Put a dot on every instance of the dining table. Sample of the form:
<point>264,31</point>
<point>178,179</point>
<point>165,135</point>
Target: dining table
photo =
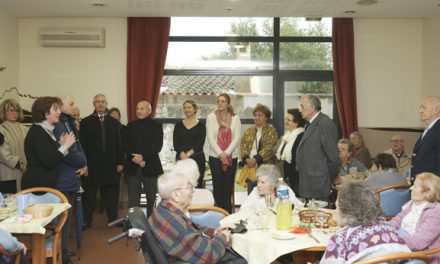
<point>263,245</point>
<point>35,228</point>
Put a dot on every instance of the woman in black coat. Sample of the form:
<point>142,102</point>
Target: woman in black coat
<point>42,151</point>
<point>294,130</point>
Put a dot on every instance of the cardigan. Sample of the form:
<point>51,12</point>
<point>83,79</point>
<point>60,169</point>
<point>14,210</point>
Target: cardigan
<point>427,235</point>
<point>212,132</point>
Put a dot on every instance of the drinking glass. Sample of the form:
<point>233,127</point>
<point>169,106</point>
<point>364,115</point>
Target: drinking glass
<point>321,219</point>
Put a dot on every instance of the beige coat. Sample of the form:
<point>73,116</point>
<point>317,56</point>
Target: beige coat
<point>12,151</point>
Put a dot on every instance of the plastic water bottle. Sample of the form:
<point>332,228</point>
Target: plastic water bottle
<point>284,207</point>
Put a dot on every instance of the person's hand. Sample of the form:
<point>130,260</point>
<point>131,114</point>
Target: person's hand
<point>137,158</point>
<point>183,155</point>
<point>23,167</point>
<point>227,234</point>
<point>223,156</point>
<point>225,226</point>
<point>84,171</point>
<point>67,139</point>
<point>251,162</point>
<point>23,247</point>
<point>119,168</point>
<point>142,164</point>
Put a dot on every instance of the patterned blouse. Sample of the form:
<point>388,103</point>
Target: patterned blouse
<point>352,244</point>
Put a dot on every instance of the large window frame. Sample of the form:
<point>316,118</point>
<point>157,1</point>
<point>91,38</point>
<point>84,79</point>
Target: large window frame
<point>279,76</point>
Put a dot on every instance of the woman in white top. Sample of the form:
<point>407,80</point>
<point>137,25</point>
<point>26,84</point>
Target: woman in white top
<point>12,157</point>
<point>223,130</point>
<point>267,181</point>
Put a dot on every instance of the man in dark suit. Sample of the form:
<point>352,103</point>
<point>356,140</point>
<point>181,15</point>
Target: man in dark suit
<point>101,140</point>
<point>426,152</point>
<point>317,157</point>
<point>143,142</point>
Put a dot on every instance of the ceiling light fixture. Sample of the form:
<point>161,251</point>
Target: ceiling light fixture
<point>97,4</point>
<point>367,2</point>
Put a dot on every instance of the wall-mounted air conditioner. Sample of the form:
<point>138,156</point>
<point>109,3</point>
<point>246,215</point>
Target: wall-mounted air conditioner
<point>72,37</point>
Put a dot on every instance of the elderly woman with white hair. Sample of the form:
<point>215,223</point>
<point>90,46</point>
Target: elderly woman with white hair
<point>267,180</point>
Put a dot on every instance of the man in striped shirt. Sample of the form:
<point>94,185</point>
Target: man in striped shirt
<point>178,237</point>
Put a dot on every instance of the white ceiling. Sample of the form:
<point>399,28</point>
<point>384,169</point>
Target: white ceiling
<point>218,8</point>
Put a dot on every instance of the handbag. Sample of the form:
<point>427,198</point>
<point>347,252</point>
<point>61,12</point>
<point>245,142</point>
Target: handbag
<point>245,174</point>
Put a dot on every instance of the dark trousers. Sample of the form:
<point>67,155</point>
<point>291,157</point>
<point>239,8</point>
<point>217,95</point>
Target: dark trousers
<point>135,190</point>
<point>8,186</point>
<point>110,197</point>
<point>223,182</point>
<point>65,232</point>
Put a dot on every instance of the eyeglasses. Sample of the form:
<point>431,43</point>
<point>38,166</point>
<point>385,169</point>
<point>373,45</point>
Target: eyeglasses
<point>189,186</point>
<point>12,111</point>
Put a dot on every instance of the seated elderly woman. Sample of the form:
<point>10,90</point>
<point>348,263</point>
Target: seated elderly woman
<point>419,221</point>
<point>267,181</point>
<point>386,174</point>
<point>365,232</point>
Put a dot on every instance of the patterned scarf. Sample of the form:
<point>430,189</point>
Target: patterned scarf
<point>224,139</point>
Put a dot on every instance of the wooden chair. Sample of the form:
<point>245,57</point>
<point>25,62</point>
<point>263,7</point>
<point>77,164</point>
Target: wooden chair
<point>429,252</point>
<point>15,254</point>
<point>53,243</point>
<point>207,216</point>
<point>396,256</point>
<point>392,198</point>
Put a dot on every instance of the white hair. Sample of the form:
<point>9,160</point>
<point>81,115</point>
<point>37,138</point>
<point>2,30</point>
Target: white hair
<point>189,168</point>
<point>271,172</point>
<point>169,182</point>
<point>65,99</point>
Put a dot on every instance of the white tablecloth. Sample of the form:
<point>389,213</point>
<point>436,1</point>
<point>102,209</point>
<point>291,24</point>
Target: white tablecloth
<point>259,247</point>
<point>36,225</point>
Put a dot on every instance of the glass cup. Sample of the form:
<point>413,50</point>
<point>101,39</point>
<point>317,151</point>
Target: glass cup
<point>22,202</point>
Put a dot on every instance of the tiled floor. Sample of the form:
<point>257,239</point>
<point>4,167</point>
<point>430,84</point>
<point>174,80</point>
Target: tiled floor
<point>96,250</point>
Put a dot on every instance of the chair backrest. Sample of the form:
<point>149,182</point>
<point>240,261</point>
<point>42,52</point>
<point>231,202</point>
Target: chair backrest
<point>149,243</point>
<point>207,216</point>
<point>396,256</point>
<point>48,195</point>
<point>392,198</point>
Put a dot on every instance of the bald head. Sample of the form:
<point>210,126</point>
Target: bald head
<point>143,109</point>
<point>430,109</point>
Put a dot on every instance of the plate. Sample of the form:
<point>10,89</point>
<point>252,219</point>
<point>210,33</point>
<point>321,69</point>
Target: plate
<point>283,235</point>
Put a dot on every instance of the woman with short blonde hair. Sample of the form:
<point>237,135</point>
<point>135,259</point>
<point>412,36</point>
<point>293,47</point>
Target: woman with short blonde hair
<point>12,158</point>
<point>419,221</point>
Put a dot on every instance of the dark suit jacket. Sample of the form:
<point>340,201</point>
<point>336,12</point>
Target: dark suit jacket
<point>317,158</point>
<point>144,136</point>
<point>426,153</point>
<point>42,157</point>
<point>102,146</point>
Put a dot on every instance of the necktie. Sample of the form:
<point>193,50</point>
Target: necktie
<point>101,119</point>
<point>306,125</point>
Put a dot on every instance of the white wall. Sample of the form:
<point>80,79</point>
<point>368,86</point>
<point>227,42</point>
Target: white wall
<point>8,53</point>
<point>431,57</point>
<point>388,55</point>
<point>81,72</point>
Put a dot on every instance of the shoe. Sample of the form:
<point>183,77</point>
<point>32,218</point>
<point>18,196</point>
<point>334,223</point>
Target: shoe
<point>67,260</point>
<point>70,254</point>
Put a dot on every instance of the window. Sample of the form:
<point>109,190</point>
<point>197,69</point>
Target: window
<point>273,61</point>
